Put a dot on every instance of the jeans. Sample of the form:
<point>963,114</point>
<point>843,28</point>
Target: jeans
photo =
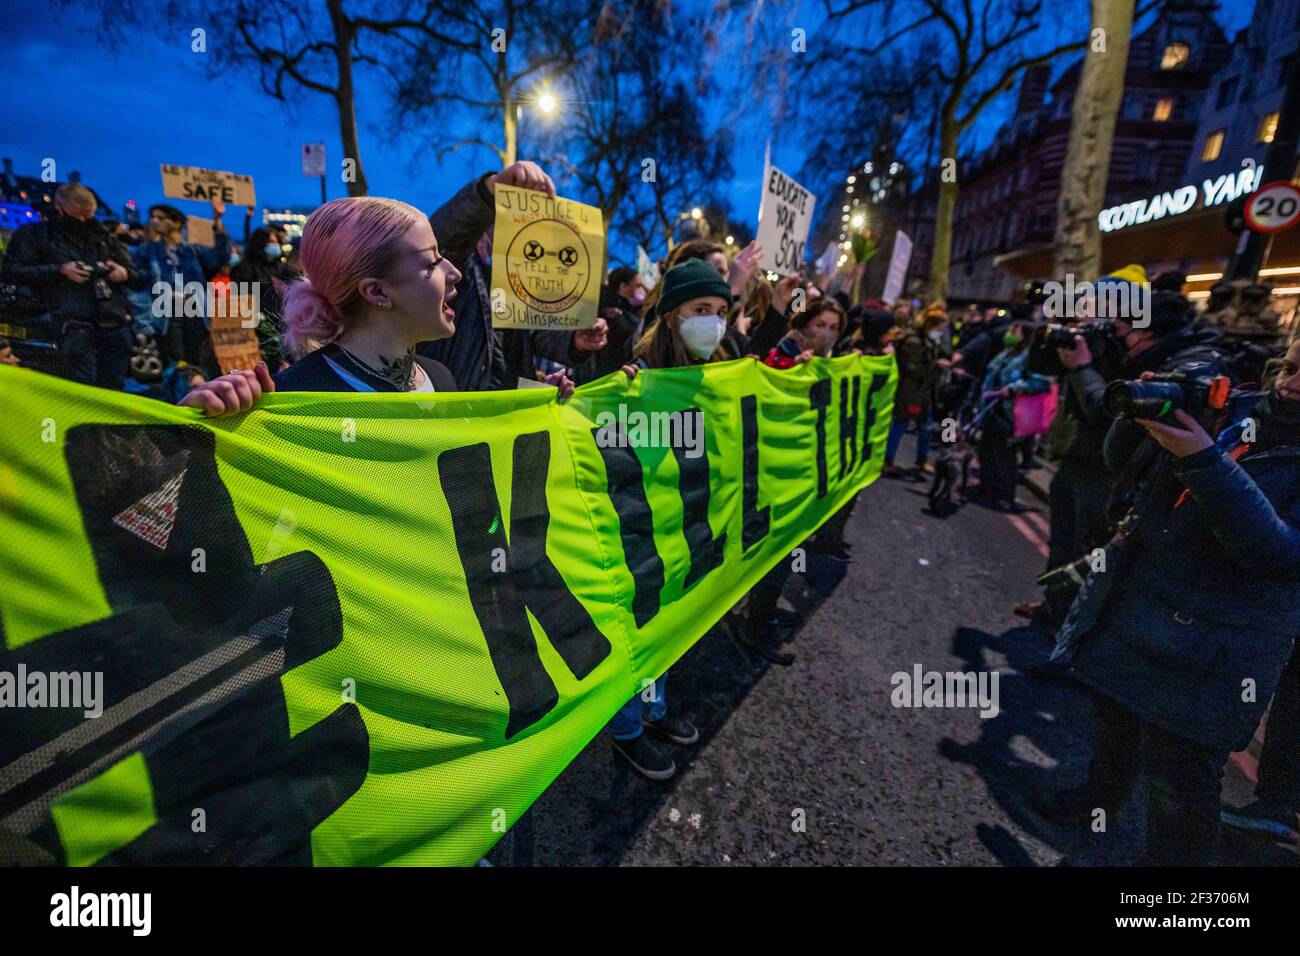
<point>96,356</point>
<point>1279,761</point>
<point>627,723</point>
<point>764,596</point>
<point>898,428</point>
<point>1183,780</point>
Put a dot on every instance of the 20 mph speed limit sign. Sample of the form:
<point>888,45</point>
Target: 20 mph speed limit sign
<point>1274,207</point>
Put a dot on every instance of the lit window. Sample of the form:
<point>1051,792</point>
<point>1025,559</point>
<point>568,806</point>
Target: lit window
<point>1268,128</point>
<point>1175,55</point>
<point>1213,146</point>
<point>1164,109</point>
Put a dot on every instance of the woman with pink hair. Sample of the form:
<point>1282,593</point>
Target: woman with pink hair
<point>375,285</point>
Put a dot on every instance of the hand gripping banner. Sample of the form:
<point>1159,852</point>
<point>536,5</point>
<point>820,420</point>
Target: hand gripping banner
<point>366,629</point>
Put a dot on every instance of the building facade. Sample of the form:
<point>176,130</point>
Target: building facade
<point>1007,202</point>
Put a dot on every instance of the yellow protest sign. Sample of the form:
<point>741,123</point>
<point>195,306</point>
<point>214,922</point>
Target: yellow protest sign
<point>205,185</point>
<point>547,255</point>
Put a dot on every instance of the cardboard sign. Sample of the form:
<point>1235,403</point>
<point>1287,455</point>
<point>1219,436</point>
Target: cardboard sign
<point>199,231</point>
<point>313,159</point>
<point>204,185</point>
<point>783,220</point>
<point>898,263</point>
<point>234,345</point>
<point>547,255</point>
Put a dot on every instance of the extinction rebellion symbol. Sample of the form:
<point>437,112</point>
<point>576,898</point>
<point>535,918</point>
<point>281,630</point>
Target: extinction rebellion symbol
<point>548,265</point>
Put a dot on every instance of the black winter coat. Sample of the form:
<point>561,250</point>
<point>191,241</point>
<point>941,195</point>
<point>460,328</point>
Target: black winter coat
<point>1192,619</point>
<point>36,252</point>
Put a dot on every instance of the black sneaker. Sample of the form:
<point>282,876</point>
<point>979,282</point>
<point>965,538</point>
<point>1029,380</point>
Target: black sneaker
<point>1263,817</point>
<point>783,618</point>
<point>766,646</point>
<point>677,729</point>
<point>646,759</point>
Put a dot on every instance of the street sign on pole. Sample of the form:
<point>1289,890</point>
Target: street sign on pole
<point>313,159</point>
<point>313,164</point>
<point>1274,207</point>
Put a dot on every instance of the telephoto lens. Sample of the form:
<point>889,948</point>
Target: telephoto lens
<point>1152,400</point>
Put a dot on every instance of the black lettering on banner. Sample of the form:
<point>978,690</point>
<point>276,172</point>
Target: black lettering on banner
<point>849,422</point>
<point>531,583</point>
<point>191,667</point>
<point>869,419</point>
<point>819,398</point>
<point>626,489</point>
<point>693,486</point>
<point>755,520</point>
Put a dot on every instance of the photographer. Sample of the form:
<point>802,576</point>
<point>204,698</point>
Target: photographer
<point>80,274</point>
<point>167,258</point>
<point>1098,353</point>
<point>1184,632</point>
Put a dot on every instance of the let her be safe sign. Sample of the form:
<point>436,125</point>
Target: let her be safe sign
<point>205,185</point>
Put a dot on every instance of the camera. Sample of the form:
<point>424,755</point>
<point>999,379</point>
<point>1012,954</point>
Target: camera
<point>98,275</point>
<point>1194,388</point>
<point>1063,336</point>
<point>1103,342</point>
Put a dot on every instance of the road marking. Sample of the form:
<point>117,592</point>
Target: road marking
<point>1019,524</point>
<point>1039,522</point>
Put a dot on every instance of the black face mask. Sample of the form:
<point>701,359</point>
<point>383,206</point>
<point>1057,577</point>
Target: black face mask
<point>76,228</point>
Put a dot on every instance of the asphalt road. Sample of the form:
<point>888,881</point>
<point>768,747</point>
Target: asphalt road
<point>812,764</point>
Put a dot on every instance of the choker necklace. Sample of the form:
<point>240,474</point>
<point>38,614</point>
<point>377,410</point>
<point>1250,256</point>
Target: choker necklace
<point>399,372</point>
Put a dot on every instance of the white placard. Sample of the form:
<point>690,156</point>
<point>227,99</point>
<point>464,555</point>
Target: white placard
<point>313,159</point>
<point>783,219</point>
<point>898,263</point>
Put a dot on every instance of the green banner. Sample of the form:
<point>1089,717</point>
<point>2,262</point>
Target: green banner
<point>367,629</point>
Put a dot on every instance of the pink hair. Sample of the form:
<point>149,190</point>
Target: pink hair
<point>344,241</point>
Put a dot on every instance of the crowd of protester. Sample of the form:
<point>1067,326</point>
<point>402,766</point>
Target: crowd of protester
<point>1174,561</point>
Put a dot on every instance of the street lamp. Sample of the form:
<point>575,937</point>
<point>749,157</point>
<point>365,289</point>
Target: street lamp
<point>731,240</point>
<point>546,103</point>
<point>857,221</point>
<point>697,213</point>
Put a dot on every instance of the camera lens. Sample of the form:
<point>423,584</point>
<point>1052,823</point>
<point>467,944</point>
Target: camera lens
<point>1142,399</point>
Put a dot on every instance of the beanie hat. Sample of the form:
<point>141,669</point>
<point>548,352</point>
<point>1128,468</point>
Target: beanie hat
<point>1129,273</point>
<point>1169,312</point>
<point>692,279</point>
<point>875,323</point>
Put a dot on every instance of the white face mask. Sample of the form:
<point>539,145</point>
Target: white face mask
<point>702,333</point>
